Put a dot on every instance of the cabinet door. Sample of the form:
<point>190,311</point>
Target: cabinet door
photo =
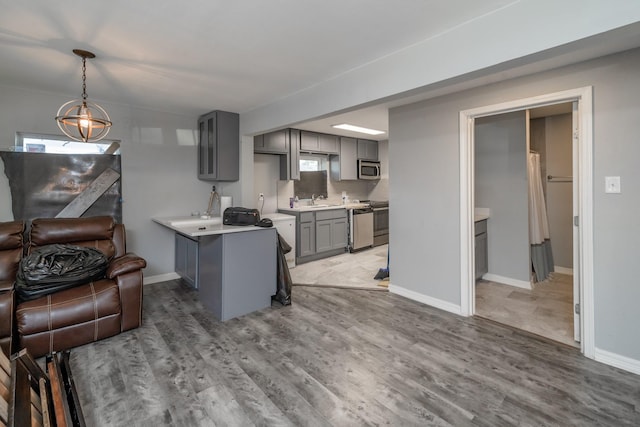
<point>306,239</point>
<point>328,143</point>
<point>324,232</point>
<point>339,233</point>
<point>294,155</point>
<point>308,141</point>
<point>481,255</point>
<point>219,146</point>
<point>367,149</point>
<point>272,142</point>
<point>207,152</point>
<point>348,159</point>
<point>186,259</point>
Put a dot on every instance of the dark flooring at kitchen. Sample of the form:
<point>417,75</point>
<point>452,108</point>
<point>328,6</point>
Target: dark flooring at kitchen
<point>340,357</point>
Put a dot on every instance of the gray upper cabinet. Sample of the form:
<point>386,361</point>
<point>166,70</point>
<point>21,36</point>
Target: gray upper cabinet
<point>294,154</point>
<point>345,165</point>
<point>367,150</point>
<point>219,146</point>
<point>313,142</point>
<point>272,143</point>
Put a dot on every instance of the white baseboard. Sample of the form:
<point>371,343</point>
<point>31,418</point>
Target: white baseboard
<point>563,270</point>
<point>507,281</point>
<point>425,299</point>
<point>618,361</point>
<point>159,278</point>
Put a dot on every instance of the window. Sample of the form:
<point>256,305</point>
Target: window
<point>58,144</point>
<point>313,163</point>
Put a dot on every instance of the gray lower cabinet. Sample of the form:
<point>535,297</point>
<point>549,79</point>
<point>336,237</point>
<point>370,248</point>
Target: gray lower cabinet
<point>321,234</point>
<point>219,146</point>
<point>481,249</point>
<point>186,259</point>
<point>306,234</point>
<point>235,273</point>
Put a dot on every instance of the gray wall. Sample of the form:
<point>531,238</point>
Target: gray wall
<point>425,189</point>
<point>501,185</point>
<point>559,194</point>
<point>158,166</point>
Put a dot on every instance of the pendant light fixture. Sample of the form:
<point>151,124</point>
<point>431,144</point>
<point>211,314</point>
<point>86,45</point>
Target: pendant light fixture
<point>79,119</point>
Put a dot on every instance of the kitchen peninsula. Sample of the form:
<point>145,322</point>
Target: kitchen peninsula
<point>232,267</point>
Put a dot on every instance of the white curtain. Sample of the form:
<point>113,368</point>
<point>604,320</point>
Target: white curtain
<point>541,255</point>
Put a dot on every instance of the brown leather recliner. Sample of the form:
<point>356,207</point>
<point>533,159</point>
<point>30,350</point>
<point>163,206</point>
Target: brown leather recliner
<point>11,246</point>
<point>89,312</point>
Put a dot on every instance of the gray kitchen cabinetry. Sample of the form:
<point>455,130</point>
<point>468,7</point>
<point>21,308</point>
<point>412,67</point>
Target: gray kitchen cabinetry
<point>320,234</point>
<point>331,230</point>
<point>186,259</point>
<point>219,146</point>
<point>284,143</point>
<point>345,165</point>
<point>307,234</point>
<point>481,249</point>
<point>367,149</point>
<point>272,143</point>
<point>318,142</point>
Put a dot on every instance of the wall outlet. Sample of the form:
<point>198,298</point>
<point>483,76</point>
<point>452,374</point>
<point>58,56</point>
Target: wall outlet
<point>612,184</point>
<point>260,196</point>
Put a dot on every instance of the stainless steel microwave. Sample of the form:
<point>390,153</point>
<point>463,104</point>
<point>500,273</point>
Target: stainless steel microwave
<point>368,169</point>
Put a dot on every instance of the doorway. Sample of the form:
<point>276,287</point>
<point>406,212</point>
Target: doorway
<point>523,178</point>
<point>582,197</point>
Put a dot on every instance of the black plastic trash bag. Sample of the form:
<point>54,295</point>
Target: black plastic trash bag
<point>53,268</point>
<point>283,293</point>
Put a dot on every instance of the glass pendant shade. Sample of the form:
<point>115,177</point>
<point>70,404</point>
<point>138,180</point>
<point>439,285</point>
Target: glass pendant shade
<point>79,119</point>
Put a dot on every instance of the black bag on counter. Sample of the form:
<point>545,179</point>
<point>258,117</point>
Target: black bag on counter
<point>240,216</point>
<point>53,268</point>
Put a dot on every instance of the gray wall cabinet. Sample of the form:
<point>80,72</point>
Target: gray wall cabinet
<point>272,143</point>
<point>345,165</point>
<point>367,149</point>
<point>286,144</point>
<point>318,142</point>
<point>481,249</point>
<point>219,146</point>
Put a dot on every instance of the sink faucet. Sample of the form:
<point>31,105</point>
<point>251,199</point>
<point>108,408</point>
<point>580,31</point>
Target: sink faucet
<point>213,196</point>
<point>313,199</point>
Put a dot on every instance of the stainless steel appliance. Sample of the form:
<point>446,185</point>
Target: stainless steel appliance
<point>368,169</point>
<point>380,222</point>
<point>360,228</point>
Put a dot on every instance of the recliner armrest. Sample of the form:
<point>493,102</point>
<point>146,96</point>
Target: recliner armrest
<point>125,264</point>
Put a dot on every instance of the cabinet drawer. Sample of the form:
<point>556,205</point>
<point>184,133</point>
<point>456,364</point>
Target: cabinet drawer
<point>306,217</point>
<point>481,227</point>
<point>331,214</point>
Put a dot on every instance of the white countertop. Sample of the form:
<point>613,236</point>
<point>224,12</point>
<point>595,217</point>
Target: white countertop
<point>323,207</point>
<point>195,226</point>
<point>480,217</point>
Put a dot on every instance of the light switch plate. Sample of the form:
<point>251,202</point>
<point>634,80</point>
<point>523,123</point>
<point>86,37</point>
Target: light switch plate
<point>612,184</point>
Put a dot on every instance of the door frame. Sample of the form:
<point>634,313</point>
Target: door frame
<point>584,174</point>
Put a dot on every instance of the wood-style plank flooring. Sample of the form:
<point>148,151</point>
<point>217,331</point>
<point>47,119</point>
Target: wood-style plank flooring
<point>546,310</point>
<point>340,357</point>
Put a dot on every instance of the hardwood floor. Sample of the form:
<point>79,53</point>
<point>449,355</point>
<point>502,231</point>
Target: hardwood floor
<point>340,357</point>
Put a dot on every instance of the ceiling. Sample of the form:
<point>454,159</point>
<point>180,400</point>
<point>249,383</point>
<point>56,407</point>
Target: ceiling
<point>213,54</point>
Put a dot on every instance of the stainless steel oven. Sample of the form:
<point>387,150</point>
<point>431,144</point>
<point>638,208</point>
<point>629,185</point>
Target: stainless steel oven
<point>380,222</point>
